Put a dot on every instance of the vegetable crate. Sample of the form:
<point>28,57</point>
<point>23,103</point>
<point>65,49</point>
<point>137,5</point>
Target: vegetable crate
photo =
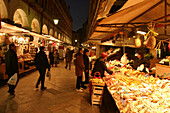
<point>97,94</point>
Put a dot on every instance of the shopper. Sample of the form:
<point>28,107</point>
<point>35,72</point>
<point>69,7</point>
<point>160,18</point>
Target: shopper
<point>87,65</point>
<point>41,63</point>
<point>11,66</point>
<point>100,66</point>
<point>139,60</point>
<point>56,58</point>
<point>51,57</point>
<point>79,68</point>
<point>68,58</point>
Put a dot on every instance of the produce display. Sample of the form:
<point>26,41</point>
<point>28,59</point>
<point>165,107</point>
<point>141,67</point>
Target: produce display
<point>137,92</point>
<point>97,80</point>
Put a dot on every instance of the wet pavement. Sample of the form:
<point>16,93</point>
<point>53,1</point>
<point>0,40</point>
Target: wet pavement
<point>59,97</point>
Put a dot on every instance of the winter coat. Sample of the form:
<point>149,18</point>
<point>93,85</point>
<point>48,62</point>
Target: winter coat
<point>11,62</point>
<point>68,56</point>
<point>86,61</point>
<point>51,56</point>
<point>79,64</point>
<point>100,66</point>
<point>56,57</point>
<point>41,61</point>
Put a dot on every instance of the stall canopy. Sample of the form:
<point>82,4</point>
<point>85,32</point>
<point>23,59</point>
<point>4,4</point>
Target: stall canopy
<point>133,14</point>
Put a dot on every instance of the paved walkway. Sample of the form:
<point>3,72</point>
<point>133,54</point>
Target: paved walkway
<point>60,96</point>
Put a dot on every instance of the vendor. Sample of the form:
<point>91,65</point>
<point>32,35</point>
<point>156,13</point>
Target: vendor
<point>100,66</point>
<point>139,60</point>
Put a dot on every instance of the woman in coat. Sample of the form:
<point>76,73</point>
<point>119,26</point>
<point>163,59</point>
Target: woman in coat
<point>79,68</point>
<point>86,63</point>
<point>56,58</point>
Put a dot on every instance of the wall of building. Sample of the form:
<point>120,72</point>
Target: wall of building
<point>28,10</point>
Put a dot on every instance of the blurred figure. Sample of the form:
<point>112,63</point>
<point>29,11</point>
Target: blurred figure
<point>79,68</point>
<point>68,58</point>
<point>41,63</point>
<point>51,57</point>
<point>11,66</point>
<point>56,58</point>
<point>100,66</point>
<point>139,60</point>
<point>87,65</point>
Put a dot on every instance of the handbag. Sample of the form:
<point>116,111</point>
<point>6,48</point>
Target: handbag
<point>13,79</point>
<point>83,77</point>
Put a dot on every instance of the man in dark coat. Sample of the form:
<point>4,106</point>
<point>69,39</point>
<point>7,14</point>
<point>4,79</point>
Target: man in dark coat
<point>41,63</point>
<point>87,65</point>
<point>11,66</point>
<point>100,66</point>
<point>68,58</point>
<point>51,56</point>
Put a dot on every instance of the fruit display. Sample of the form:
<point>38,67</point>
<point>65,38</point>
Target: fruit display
<point>97,80</point>
<point>137,92</point>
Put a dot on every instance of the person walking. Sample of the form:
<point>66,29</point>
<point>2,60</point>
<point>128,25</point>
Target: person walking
<point>68,58</point>
<point>51,57</point>
<point>11,66</point>
<point>41,63</point>
<point>56,57</point>
<point>79,68</point>
<point>86,63</point>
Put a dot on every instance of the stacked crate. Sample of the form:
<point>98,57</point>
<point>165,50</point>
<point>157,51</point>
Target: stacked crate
<point>97,93</point>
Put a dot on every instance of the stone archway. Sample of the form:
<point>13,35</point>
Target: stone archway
<point>20,17</point>
<point>3,10</point>
<point>44,29</point>
<point>51,32</point>
<point>35,26</point>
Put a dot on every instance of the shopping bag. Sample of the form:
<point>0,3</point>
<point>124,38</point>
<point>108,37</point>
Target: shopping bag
<point>83,77</point>
<point>13,79</point>
<point>48,75</point>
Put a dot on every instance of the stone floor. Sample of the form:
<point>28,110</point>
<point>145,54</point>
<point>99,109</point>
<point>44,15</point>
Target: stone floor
<point>60,96</point>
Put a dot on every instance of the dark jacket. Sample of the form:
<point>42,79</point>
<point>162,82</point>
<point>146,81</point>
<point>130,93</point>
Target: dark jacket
<point>138,62</point>
<point>51,56</point>
<point>41,61</point>
<point>86,61</point>
<point>11,62</point>
<point>79,64</point>
<point>100,66</point>
<point>69,55</point>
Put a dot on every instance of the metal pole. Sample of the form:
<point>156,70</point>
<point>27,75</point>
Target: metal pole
<point>123,41</point>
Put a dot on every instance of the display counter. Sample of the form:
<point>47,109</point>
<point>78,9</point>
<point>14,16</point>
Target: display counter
<point>23,65</point>
<point>137,92</point>
<point>162,71</point>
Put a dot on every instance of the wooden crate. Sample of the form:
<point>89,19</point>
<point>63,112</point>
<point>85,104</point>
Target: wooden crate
<point>97,94</point>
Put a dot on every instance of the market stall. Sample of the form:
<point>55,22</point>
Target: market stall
<point>27,44</point>
<point>135,91</point>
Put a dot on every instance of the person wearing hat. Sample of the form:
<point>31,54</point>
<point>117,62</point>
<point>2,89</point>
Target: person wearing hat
<point>100,66</point>
<point>140,60</point>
